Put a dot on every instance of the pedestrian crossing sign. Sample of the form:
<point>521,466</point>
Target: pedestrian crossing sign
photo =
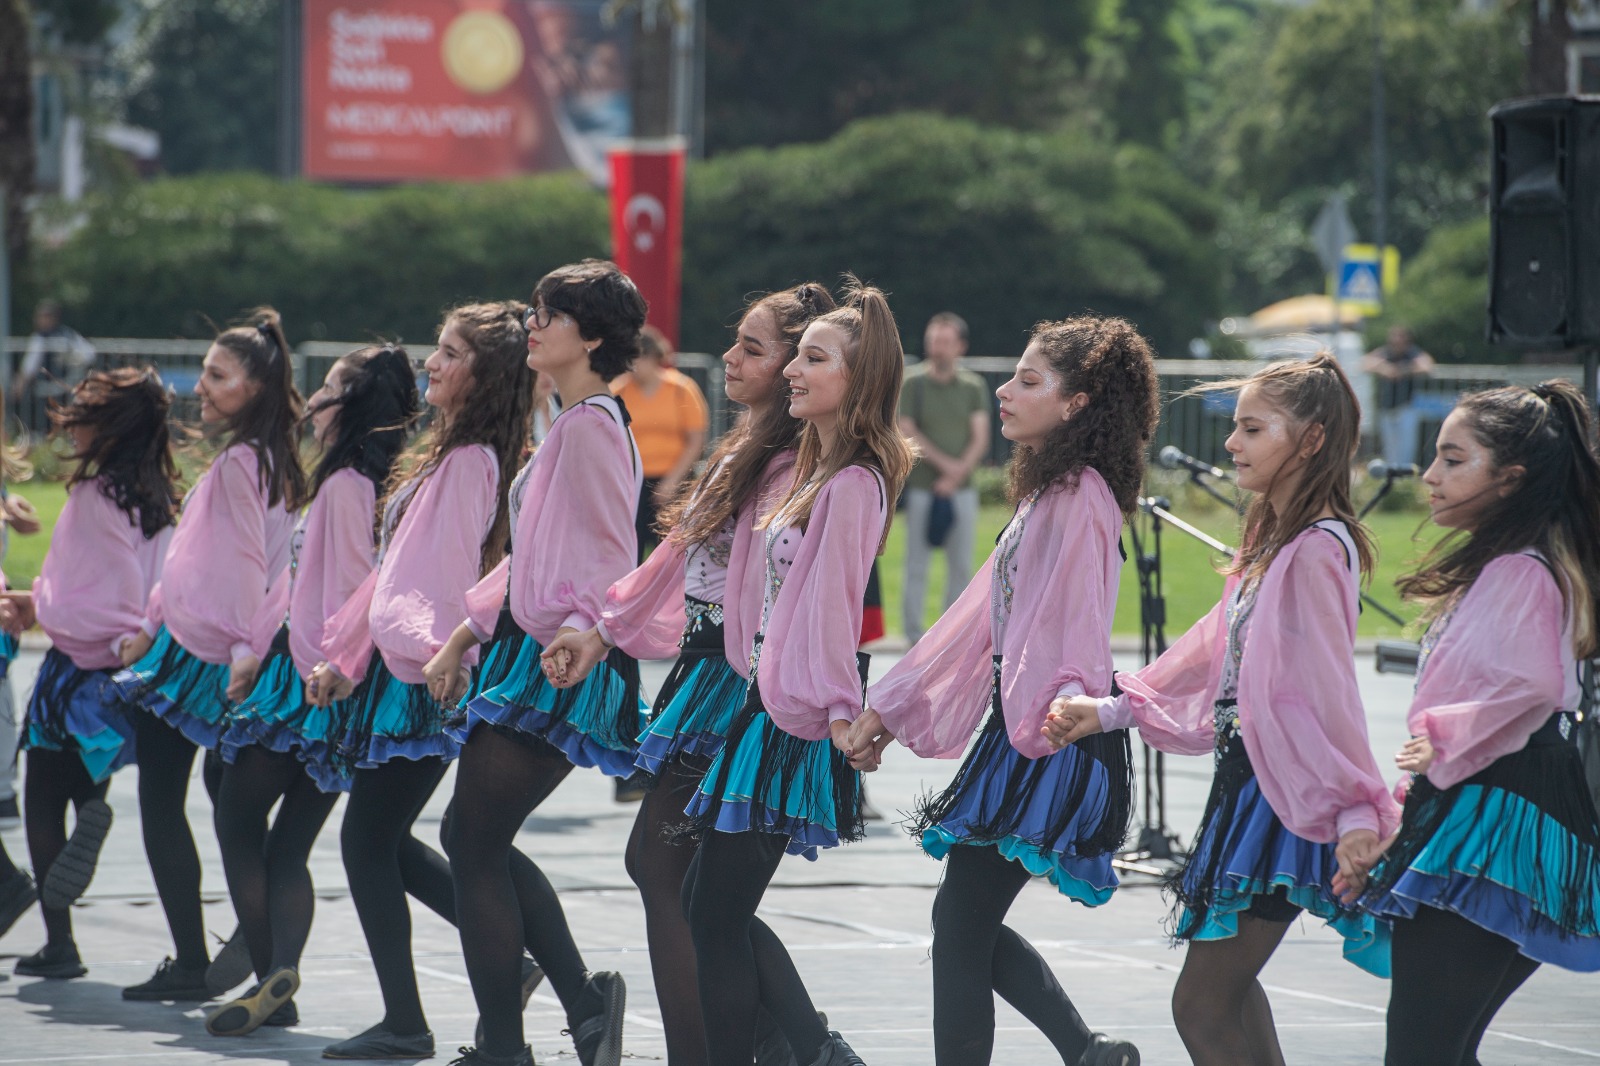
<point>1365,277</point>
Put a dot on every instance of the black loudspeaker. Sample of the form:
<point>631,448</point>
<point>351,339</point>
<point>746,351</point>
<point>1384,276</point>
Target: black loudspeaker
<point>1544,223</point>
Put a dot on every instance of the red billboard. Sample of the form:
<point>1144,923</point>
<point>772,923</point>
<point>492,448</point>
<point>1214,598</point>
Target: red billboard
<point>410,90</point>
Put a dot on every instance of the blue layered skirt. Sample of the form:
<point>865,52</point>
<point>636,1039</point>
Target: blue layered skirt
<point>1062,816</point>
<point>1514,849</point>
<point>9,646</point>
<point>385,718</point>
<point>186,692</point>
<point>277,717</point>
<point>770,781</point>
<point>77,710</point>
<point>699,701</point>
<point>1245,861</point>
<point>594,724</point>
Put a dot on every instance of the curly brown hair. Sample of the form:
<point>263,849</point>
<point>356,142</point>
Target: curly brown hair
<point>1107,360</point>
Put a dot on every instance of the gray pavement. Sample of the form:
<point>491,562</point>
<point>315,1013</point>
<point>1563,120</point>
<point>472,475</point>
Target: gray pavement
<point>856,921</point>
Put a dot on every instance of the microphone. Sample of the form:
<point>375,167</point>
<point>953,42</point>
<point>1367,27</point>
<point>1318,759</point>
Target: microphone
<point>1173,458</point>
<point>1379,468</point>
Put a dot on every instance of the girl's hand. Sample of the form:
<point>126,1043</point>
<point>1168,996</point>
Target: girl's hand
<point>568,658</point>
<point>16,612</point>
<point>1070,720</point>
<point>1357,853</point>
<point>867,738</point>
<point>134,648</point>
<point>20,515</point>
<point>327,686</point>
<point>446,677</point>
<point>242,678</point>
<point>1416,755</point>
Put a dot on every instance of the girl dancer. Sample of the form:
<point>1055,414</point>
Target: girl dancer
<point>278,747</point>
<point>573,536</point>
<point>121,504</point>
<point>195,650</point>
<point>699,594</point>
<point>1266,681</point>
<point>783,783</point>
<point>1496,868</point>
<point>1081,406</point>
<point>444,523</point>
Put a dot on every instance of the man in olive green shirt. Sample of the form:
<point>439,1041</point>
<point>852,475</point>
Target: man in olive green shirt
<point>945,410</point>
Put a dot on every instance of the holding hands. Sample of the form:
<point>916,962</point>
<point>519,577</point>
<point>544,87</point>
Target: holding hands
<point>568,658</point>
<point>242,678</point>
<point>16,612</point>
<point>327,686</point>
<point>864,741</point>
<point>1071,718</point>
<point>1416,755</point>
<point>133,648</point>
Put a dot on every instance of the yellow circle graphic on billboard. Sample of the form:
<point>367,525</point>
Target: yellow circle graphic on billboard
<point>482,51</point>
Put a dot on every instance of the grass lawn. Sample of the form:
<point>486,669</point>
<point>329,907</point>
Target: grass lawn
<point>1190,579</point>
<point>26,554</point>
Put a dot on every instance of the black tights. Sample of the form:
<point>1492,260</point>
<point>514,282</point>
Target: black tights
<point>383,862</point>
<point>55,780</point>
<point>1218,1003</point>
<point>1450,979</point>
<point>659,867</point>
<point>506,900</point>
<point>267,871</point>
<point>166,757</point>
<point>742,964</point>
<point>975,955</point>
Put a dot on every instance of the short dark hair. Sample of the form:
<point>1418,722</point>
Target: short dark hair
<point>607,306</point>
<point>951,319</point>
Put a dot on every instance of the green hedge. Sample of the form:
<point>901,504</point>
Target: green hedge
<point>1004,227</point>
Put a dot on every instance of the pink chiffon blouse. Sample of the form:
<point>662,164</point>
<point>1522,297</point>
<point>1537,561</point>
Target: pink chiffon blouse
<point>96,579</point>
<point>814,585</point>
<point>1300,711</point>
<point>574,534</point>
<point>1496,667</point>
<point>1044,601</point>
<point>227,549</point>
<point>644,611</point>
<point>409,604</point>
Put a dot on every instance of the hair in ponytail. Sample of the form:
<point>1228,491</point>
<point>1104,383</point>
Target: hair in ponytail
<point>1317,398</point>
<point>1554,507</point>
<point>1108,360</point>
<point>267,424</point>
<point>378,405</point>
<point>751,444</point>
<point>868,431</point>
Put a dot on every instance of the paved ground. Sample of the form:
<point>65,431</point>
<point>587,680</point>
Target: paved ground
<point>857,922</point>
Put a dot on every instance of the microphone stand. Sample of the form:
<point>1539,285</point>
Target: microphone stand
<point>1156,840</point>
<point>1198,481</point>
<point>1388,484</point>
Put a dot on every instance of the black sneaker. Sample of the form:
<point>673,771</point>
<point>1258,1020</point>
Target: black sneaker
<point>284,1016</point>
<point>532,977</point>
<point>68,877</point>
<point>837,1053</point>
<point>57,961</point>
<point>1106,1051</point>
<point>250,1011</point>
<point>230,967</point>
<point>772,1046</point>
<point>16,896</point>
<point>379,1043</point>
<point>171,982</point>
<point>598,1037</point>
<point>471,1056</point>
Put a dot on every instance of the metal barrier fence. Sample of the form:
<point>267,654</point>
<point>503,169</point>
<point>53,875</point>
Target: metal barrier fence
<point>1196,424</point>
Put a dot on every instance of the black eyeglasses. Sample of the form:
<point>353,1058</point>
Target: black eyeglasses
<point>540,317</point>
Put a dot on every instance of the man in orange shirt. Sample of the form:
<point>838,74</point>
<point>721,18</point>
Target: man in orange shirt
<point>669,422</point>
